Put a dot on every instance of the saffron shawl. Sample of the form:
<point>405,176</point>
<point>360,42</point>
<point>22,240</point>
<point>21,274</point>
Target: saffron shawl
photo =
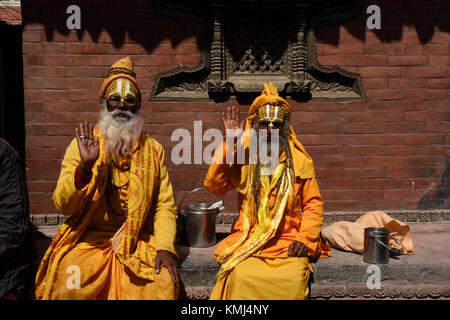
<point>134,250</point>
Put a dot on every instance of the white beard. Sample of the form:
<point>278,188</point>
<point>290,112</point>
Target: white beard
<point>119,133</point>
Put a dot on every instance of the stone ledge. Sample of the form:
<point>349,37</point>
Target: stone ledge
<point>47,220</point>
<point>334,216</point>
<point>357,292</point>
<point>424,275</point>
<point>224,220</point>
<point>392,291</point>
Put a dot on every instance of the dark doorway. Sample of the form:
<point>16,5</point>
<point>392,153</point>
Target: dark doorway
<point>12,121</point>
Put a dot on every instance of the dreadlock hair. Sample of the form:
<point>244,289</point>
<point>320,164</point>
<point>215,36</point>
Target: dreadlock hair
<point>284,143</point>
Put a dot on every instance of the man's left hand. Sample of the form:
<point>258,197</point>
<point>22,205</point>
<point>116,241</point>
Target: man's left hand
<point>167,259</point>
<point>297,249</point>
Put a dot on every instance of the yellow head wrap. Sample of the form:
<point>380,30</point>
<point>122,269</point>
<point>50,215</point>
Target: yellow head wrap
<point>268,96</point>
<point>303,164</point>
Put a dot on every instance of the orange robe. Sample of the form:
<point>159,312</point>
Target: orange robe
<point>302,221</point>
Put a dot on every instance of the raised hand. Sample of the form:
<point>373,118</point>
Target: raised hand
<point>231,120</point>
<point>88,146</point>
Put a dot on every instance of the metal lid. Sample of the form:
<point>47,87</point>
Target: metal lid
<point>376,230</point>
<point>199,208</point>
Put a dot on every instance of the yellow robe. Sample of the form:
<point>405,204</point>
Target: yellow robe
<point>82,248</point>
<point>270,273</point>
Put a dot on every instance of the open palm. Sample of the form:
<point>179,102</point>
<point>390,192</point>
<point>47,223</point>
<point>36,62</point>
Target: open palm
<point>87,144</point>
<point>231,120</point>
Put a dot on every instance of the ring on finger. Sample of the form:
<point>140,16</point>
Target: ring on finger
<point>83,137</point>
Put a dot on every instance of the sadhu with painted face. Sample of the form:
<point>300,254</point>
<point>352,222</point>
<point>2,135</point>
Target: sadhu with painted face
<point>118,242</point>
<point>267,254</point>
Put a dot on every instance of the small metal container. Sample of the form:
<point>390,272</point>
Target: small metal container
<point>376,245</point>
<point>199,222</point>
<point>200,225</point>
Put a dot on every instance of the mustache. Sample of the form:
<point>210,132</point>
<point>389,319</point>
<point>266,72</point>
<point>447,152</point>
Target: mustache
<point>127,114</point>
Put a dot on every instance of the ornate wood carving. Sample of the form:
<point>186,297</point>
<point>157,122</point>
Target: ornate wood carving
<point>244,46</point>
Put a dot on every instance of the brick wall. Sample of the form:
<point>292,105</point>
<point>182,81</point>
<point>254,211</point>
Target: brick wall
<point>10,13</point>
<point>390,152</point>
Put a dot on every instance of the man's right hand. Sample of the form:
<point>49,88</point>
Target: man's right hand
<point>297,249</point>
<point>88,146</point>
<point>231,121</point>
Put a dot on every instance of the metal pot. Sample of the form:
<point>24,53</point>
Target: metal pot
<point>376,246</point>
<point>199,222</point>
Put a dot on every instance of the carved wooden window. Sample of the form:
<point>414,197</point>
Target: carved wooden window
<point>247,43</point>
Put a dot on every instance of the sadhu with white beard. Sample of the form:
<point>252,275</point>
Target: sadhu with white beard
<point>267,254</point>
<point>118,242</point>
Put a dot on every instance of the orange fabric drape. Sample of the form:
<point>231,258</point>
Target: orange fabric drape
<point>303,217</point>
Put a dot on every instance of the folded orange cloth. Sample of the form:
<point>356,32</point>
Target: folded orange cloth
<point>349,236</point>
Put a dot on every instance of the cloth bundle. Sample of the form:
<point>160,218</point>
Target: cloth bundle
<point>349,236</point>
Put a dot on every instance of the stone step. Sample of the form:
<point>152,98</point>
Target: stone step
<point>344,275</point>
<point>424,275</point>
<point>225,220</point>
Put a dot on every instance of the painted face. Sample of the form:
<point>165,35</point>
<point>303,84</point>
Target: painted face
<point>122,91</point>
<point>271,116</point>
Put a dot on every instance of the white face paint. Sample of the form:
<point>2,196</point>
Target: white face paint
<point>123,88</point>
<point>271,116</point>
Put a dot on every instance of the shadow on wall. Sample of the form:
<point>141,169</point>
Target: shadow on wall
<point>438,196</point>
<point>125,22</point>
<point>137,21</point>
<point>424,16</point>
